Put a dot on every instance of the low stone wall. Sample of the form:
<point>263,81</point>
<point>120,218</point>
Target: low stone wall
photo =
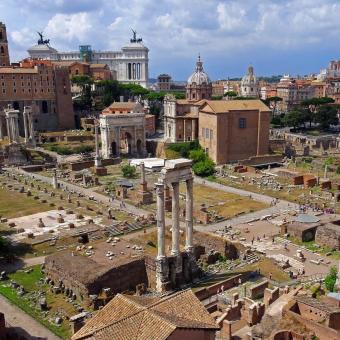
<point>257,160</point>
<point>321,331</point>
<point>231,282</point>
<point>212,243</point>
<point>271,295</point>
<point>257,291</point>
<point>77,166</point>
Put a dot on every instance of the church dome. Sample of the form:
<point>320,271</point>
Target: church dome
<point>199,77</point>
<point>249,78</point>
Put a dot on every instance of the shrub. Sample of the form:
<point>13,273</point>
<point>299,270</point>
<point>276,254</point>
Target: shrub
<point>204,168</point>
<point>338,170</point>
<point>128,171</point>
<point>330,279</point>
<point>184,148</point>
<point>197,155</point>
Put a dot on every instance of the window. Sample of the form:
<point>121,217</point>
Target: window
<point>207,133</point>
<point>211,134</point>
<point>2,50</point>
<point>242,123</point>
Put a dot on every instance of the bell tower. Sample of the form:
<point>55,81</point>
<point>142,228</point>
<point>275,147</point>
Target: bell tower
<point>4,55</point>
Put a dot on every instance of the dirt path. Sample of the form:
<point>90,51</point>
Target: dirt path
<point>23,323</point>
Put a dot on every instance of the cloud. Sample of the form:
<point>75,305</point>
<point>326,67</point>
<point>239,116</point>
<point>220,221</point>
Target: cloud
<point>225,32</point>
<point>69,26</point>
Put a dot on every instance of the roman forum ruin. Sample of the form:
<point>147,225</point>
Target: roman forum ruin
<point>179,267</point>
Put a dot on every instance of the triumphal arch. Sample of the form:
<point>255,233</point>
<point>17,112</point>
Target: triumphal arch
<point>122,128</point>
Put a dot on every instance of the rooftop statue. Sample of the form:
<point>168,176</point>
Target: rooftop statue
<point>41,40</point>
<point>134,37</point>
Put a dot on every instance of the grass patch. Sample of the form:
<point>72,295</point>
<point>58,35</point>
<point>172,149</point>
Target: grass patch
<point>30,281</point>
<point>14,204</point>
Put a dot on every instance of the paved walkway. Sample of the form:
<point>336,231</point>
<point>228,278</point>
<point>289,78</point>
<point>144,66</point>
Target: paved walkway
<point>24,323</point>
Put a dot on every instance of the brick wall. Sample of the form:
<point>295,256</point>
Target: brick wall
<point>257,291</point>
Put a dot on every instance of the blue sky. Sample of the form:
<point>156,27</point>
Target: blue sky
<point>293,36</point>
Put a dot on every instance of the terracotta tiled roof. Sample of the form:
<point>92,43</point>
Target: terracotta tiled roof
<point>220,106</point>
<point>144,318</point>
<point>98,65</point>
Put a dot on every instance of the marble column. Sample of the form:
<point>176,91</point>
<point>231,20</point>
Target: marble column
<point>142,173</point>
<point>160,220</point>
<point>25,117</point>
<point>117,136</point>
<point>175,219</point>
<point>189,245</point>
<point>9,135</point>
<point>97,159</point>
<point>108,142</point>
<point>1,133</point>
<point>31,129</point>
<point>193,129</point>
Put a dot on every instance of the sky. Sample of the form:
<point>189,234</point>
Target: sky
<point>275,36</point>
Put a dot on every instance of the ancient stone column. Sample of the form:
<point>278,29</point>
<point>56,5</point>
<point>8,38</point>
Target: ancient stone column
<point>117,136</point>
<point>25,116</point>
<point>8,130</point>
<point>188,216</point>
<point>1,132</point>
<point>160,220</point>
<point>175,218</point>
<point>55,181</point>
<point>31,129</point>
<point>97,159</point>
<point>142,173</point>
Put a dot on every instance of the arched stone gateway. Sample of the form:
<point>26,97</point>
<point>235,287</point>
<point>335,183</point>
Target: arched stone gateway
<point>122,125</point>
<point>128,143</point>
<point>139,147</point>
<point>115,151</point>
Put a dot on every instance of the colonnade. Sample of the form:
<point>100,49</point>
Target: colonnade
<point>12,125</point>
<point>175,245</point>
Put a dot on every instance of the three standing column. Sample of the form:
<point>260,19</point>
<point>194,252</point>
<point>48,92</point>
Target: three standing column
<point>160,220</point>
<point>189,245</point>
<point>175,219</point>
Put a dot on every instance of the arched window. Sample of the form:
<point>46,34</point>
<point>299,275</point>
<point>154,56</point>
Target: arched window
<point>1,35</point>
<point>2,50</point>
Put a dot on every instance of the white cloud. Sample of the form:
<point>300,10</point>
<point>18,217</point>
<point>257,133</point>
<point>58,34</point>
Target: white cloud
<point>115,24</point>
<point>69,26</point>
<point>176,30</point>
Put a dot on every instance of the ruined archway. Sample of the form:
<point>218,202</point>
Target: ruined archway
<point>128,143</point>
<point>139,147</point>
<point>114,148</point>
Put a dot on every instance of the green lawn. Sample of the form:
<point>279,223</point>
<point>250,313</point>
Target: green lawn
<point>30,281</point>
<point>14,204</point>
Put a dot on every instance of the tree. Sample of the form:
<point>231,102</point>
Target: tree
<point>326,115</point>
<point>216,97</point>
<point>311,106</point>
<point>204,168</point>
<point>294,119</point>
<point>128,171</point>
<point>110,90</point>
<point>230,94</point>
<point>338,170</point>
<point>84,82</point>
<point>330,279</point>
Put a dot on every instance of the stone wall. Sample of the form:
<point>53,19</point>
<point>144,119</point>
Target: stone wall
<point>271,295</point>
<point>320,330</point>
<point>77,166</point>
<point>231,282</point>
<point>225,248</point>
<point>328,236</point>
<point>257,291</point>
